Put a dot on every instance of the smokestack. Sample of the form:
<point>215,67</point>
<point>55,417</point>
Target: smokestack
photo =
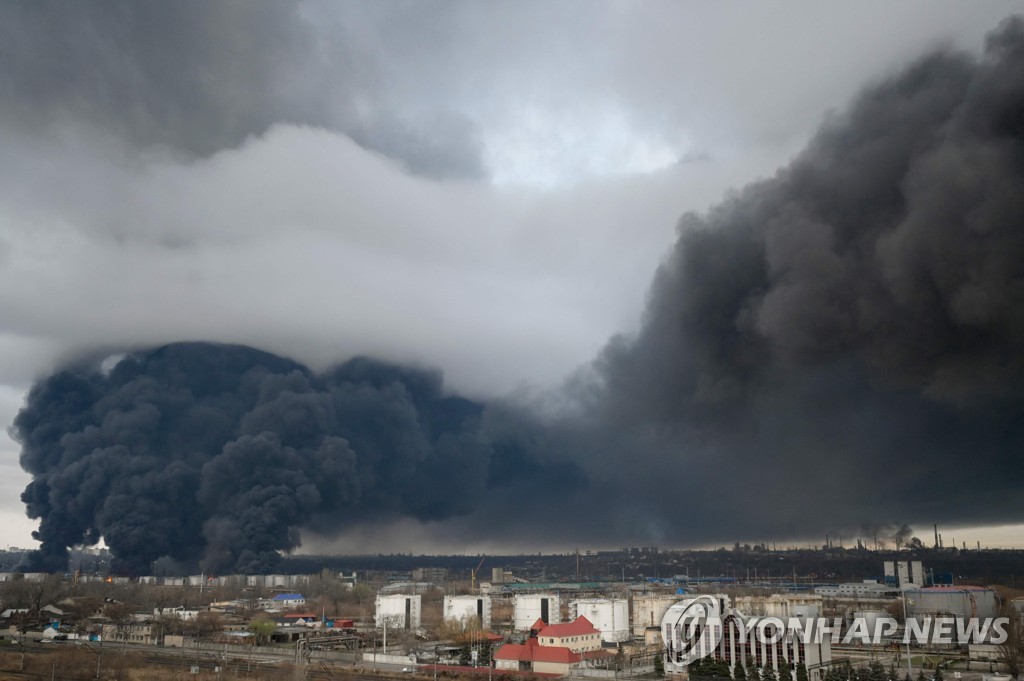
<point>936,527</point>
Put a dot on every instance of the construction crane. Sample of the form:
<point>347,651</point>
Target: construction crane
<point>472,574</point>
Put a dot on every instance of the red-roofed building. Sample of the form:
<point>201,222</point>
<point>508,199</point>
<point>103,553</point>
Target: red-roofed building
<point>533,657</point>
<point>579,636</point>
<point>551,649</point>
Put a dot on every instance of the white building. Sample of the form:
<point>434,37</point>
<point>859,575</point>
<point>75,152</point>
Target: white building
<point>181,612</point>
<point>741,640</point>
<point>466,608</point>
<point>398,611</point>
<point>868,589</point>
<point>531,607</point>
<point>610,616</point>
<point>904,573</point>
<point>290,601</point>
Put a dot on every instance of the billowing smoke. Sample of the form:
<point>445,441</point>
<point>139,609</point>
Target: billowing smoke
<point>838,346</point>
<point>844,342</point>
<point>219,454</point>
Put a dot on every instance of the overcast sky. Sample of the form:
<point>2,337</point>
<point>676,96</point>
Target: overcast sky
<point>486,188</point>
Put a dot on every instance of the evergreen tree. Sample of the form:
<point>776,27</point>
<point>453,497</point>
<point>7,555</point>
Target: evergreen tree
<point>659,665</point>
<point>876,672</point>
<point>801,672</point>
<point>752,673</point>
<point>785,671</point>
<point>738,674</point>
<point>938,673</point>
<point>768,673</point>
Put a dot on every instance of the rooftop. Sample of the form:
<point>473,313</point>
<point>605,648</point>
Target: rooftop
<point>531,651</point>
<point>580,626</point>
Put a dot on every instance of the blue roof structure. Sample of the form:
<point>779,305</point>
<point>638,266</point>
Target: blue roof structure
<point>289,597</point>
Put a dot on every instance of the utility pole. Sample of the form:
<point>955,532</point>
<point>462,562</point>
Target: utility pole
<point>906,625</point>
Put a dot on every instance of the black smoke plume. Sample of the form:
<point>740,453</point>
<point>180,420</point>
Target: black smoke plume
<point>838,346</point>
<point>218,455</point>
<point>843,343</point>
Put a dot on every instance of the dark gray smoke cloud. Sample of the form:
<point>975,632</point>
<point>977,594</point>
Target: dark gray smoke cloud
<point>195,77</point>
<point>844,342</point>
<point>220,454</point>
<point>838,346</point>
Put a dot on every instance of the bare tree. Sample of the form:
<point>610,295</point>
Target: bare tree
<point>81,609</point>
<point>120,615</point>
<point>207,624</point>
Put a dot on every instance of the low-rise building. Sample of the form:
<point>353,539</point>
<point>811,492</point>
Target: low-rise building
<point>282,602</point>
<point>868,589</point>
<point>741,640</point>
<point>552,649</point>
<point>180,611</point>
<point>579,636</point>
<point>533,657</point>
<point>135,631</point>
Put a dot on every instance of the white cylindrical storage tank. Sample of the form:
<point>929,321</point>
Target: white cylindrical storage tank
<point>806,611</point>
<point>648,609</point>
<point>531,607</point>
<point>467,609</point>
<point>870,618</point>
<point>958,601</point>
<point>398,611</point>
<point>609,616</point>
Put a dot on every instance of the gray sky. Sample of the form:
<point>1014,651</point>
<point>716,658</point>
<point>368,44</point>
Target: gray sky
<point>486,188</point>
